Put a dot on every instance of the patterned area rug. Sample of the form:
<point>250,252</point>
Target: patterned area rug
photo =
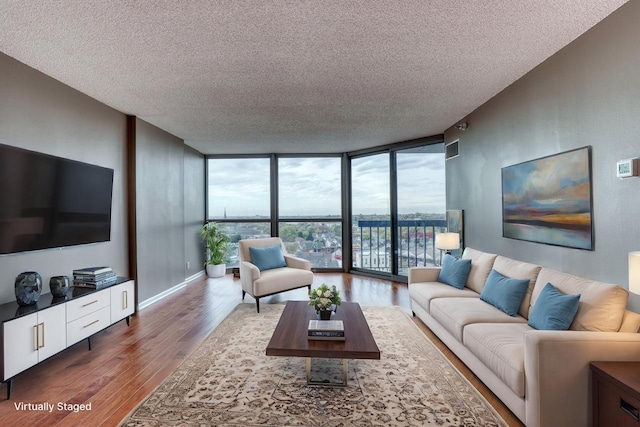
<point>229,381</point>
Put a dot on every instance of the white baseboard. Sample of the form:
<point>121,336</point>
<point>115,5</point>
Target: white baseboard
<point>146,303</point>
<point>194,277</point>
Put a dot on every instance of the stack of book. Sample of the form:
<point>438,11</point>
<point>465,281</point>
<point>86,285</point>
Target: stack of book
<point>94,277</point>
<point>326,330</point>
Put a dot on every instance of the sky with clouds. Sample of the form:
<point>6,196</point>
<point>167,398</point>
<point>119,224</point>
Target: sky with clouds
<point>310,186</point>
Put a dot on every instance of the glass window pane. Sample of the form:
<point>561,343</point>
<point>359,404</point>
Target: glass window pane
<point>238,188</point>
<point>421,204</point>
<point>318,242</point>
<point>309,187</point>
<point>370,201</point>
<point>242,230</point>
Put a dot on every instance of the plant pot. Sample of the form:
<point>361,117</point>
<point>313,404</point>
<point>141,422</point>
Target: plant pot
<point>325,314</point>
<point>216,270</point>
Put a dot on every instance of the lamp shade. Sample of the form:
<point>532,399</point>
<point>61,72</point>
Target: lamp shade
<point>448,241</point>
<point>634,272</point>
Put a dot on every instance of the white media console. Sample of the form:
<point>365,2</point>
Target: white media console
<point>30,334</point>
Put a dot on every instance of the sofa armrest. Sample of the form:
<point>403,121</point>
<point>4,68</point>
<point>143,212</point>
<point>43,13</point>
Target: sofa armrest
<point>557,372</point>
<point>423,274</point>
<point>295,262</point>
<point>248,274</point>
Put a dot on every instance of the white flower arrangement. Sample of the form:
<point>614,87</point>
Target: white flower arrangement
<point>324,297</point>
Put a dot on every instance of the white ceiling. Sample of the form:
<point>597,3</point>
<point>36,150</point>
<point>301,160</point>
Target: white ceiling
<point>294,76</point>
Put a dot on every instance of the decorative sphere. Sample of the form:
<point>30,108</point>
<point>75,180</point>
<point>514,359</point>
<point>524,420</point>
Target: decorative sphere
<point>28,288</point>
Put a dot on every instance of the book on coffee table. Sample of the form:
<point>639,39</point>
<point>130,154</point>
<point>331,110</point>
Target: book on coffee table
<point>326,330</point>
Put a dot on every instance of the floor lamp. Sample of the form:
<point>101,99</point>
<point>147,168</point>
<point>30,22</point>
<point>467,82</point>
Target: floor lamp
<point>447,242</point>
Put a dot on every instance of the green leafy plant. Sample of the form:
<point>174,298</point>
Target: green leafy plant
<point>216,242</point>
<point>323,297</point>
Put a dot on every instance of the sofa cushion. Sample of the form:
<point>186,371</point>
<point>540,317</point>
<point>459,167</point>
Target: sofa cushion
<point>481,265</point>
<point>267,258</point>
<point>554,311</point>
<point>601,305</point>
<point>454,314</point>
<point>504,293</point>
<point>519,270</point>
<point>423,292</point>
<point>454,271</point>
<point>500,346</point>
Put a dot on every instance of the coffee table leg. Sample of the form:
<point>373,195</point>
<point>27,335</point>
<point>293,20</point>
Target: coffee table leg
<point>345,376</point>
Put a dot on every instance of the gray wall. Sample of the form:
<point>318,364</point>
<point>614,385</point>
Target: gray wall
<point>586,94</point>
<point>41,114</point>
<point>194,190</point>
<point>159,210</point>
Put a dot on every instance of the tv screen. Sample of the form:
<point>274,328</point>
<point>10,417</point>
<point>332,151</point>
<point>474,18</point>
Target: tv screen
<point>51,202</point>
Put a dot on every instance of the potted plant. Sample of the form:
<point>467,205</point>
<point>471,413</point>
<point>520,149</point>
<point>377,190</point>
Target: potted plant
<point>217,245</point>
<point>324,298</point>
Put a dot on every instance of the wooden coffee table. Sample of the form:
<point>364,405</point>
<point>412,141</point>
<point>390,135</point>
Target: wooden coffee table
<point>290,337</point>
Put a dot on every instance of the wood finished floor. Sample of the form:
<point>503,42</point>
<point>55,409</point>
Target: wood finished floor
<point>127,363</point>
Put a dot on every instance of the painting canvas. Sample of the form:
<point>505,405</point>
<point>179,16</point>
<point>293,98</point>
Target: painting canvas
<point>549,200</point>
<point>455,225</point>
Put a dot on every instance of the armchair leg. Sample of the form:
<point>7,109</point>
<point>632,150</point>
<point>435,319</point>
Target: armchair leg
<point>243,294</point>
<point>257,304</point>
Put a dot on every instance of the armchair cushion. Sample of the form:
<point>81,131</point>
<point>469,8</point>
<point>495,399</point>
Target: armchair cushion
<point>267,258</point>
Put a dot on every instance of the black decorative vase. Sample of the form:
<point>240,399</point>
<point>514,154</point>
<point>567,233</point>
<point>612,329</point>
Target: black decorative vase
<point>28,288</point>
<point>325,314</point>
<point>59,286</point>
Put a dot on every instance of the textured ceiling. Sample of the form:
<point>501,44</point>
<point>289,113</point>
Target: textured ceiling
<point>296,76</point>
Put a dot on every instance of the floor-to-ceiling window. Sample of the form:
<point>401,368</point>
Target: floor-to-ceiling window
<point>371,213</point>
<point>420,183</point>
<point>393,197</point>
<point>294,197</point>
<point>397,206</point>
<point>239,198</point>
<point>310,208</point>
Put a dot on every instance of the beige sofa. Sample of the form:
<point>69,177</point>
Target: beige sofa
<point>542,376</point>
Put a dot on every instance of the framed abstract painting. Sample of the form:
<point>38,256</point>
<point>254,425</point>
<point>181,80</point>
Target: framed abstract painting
<point>549,200</point>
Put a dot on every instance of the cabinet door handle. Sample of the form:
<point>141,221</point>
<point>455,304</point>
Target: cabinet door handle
<point>36,338</point>
<point>89,303</point>
<point>92,323</point>
<point>629,409</point>
<point>125,300</point>
<point>41,345</point>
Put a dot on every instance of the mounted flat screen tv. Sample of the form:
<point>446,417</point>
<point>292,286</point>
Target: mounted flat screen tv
<point>51,202</point>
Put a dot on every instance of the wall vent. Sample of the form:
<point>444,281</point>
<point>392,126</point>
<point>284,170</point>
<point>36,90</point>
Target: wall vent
<point>451,150</point>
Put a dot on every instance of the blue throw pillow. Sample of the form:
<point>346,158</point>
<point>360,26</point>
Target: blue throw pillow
<point>454,271</point>
<point>267,258</point>
<point>553,311</point>
<point>504,293</point>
